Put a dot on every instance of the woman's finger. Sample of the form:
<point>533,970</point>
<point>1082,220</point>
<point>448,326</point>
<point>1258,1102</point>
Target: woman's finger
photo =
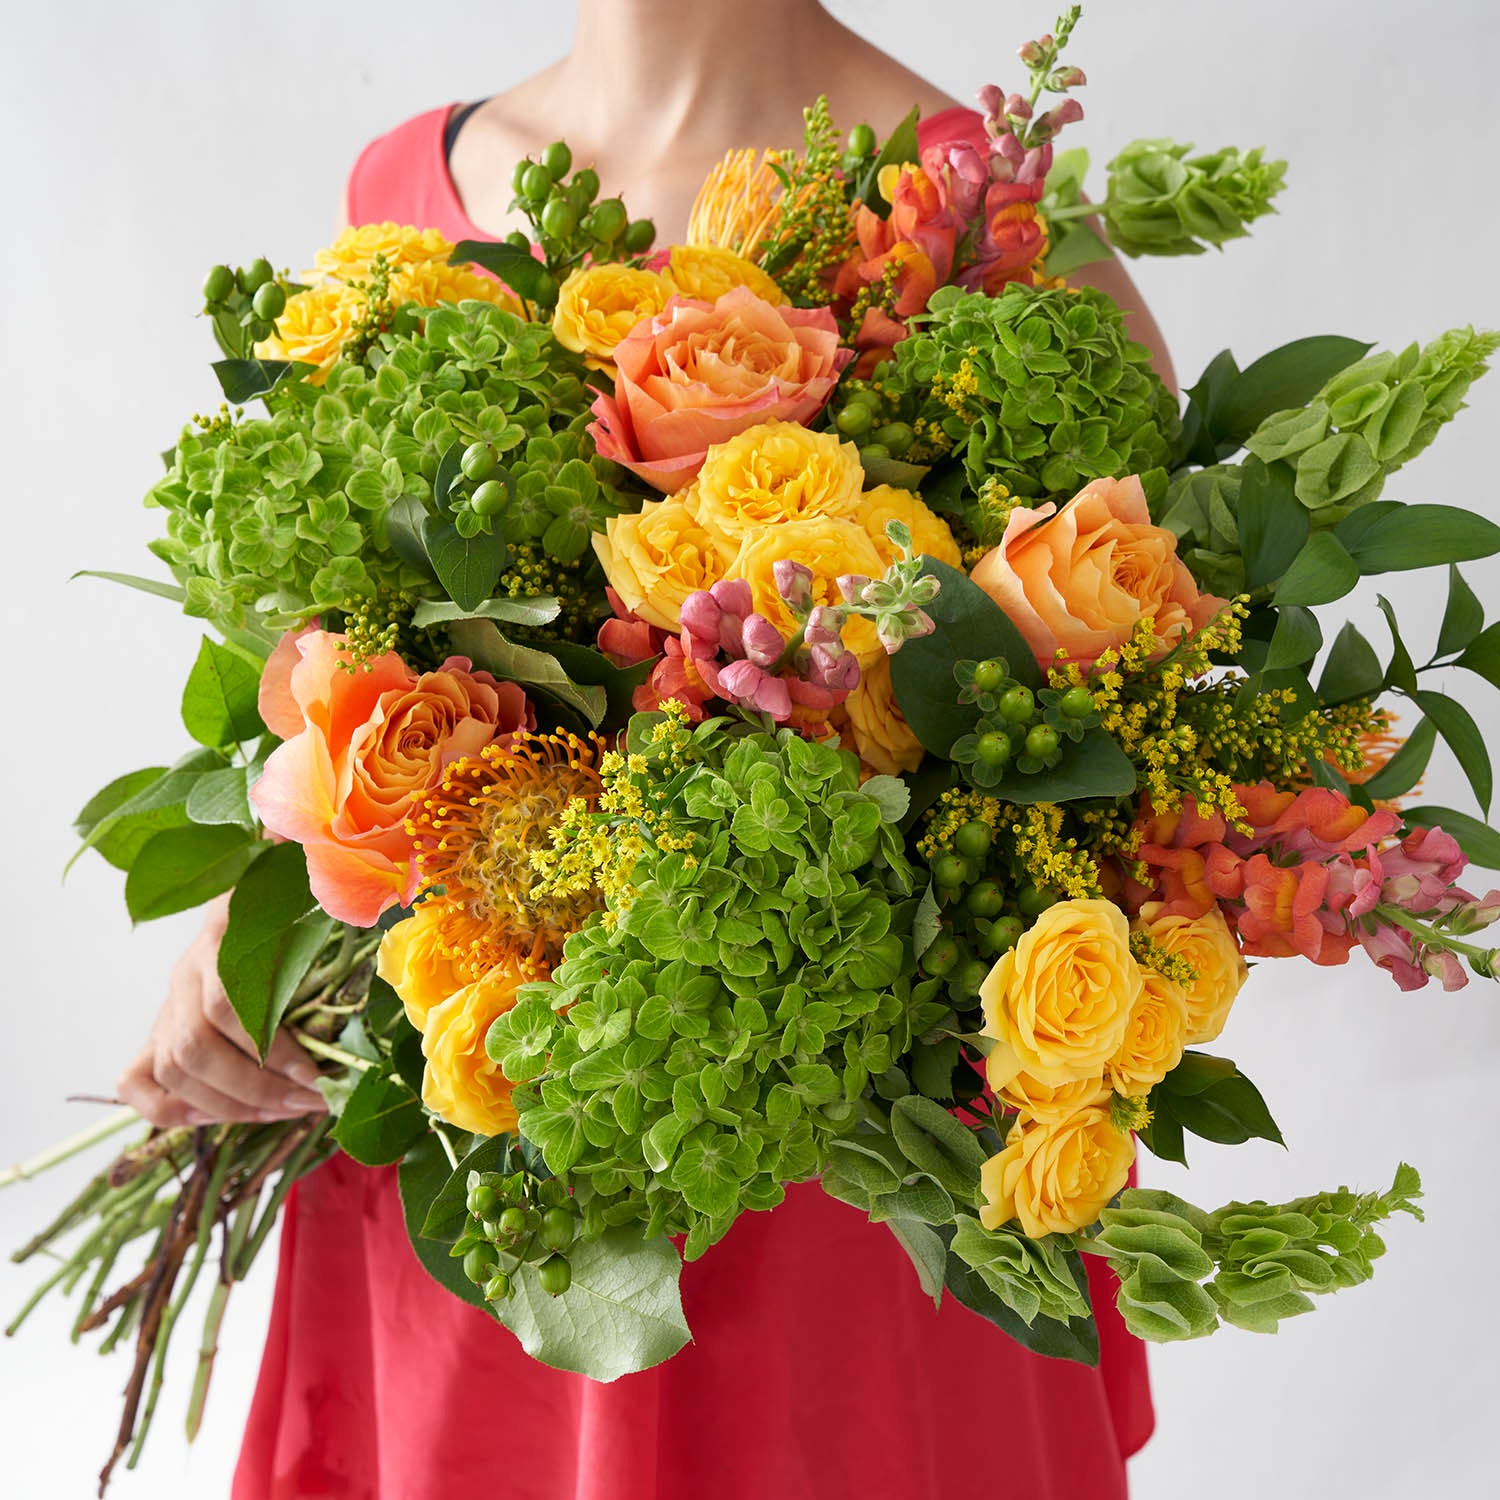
<point>151,1102</point>
<point>285,1058</point>
<point>205,1068</point>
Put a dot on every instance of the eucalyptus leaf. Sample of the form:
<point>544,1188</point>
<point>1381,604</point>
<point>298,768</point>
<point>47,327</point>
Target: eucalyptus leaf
<point>1286,377</point>
<point>1388,537</point>
<point>482,642</point>
<point>1352,671</point>
<point>1320,573</point>
<point>539,609</point>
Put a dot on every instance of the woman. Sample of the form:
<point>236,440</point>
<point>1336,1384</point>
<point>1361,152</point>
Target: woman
<point>820,1368</point>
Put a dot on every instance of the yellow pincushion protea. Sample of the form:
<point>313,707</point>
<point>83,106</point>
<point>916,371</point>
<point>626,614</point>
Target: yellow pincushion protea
<point>738,204</point>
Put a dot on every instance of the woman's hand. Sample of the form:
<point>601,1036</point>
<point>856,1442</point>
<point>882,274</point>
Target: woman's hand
<point>198,1065</point>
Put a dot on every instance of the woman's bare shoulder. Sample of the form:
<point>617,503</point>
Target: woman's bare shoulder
<point>872,85</point>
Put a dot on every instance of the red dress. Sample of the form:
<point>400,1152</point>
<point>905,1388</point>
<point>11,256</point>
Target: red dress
<point>819,1369</point>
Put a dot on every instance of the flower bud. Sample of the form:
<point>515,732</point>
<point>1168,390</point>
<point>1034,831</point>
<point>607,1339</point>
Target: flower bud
<point>1471,916</point>
<point>990,98</point>
<point>1018,107</point>
<point>757,689</point>
<point>1067,78</point>
<point>825,626</point>
<point>793,583</point>
<point>700,614</point>
<point>1069,112</point>
<point>1444,966</point>
<point>851,586</point>
<point>835,670</point>
<point>762,642</point>
<point>1030,53</point>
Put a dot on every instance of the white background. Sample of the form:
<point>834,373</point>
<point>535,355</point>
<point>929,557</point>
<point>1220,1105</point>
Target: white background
<point>142,143</point>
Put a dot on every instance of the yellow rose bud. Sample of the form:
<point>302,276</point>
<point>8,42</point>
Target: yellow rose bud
<point>1040,1101</point>
<point>1058,1004</point>
<point>1056,1176</point>
<point>1154,1039</point>
<point>871,725</point>
<point>1208,944</point>
<point>421,964</point>
<point>431,282</point>
<point>599,305</point>
<point>778,471</point>
<point>707,272</point>
<point>655,558</point>
<point>461,1084</point>
<point>930,535</point>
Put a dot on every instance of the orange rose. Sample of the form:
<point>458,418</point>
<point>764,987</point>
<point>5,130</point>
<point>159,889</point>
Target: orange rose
<point>1081,579</point>
<point>361,746</point>
<point>701,373</point>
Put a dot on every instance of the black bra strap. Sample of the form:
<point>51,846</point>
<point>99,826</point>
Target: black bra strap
<point>456,122</point>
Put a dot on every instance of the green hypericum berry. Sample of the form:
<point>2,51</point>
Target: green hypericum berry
<point>255,276</point>
<point>949,871</point>
<point>854,421</point>
<point>1034,900</point>
<point>269,302</point>
<point>607,222</point>
<point>518,178</point>
<point>895,438</point>
<point>557,1229</point>
<point>517,240</point>
<point>497,1288</point>
<point>489,498</point>
<point>491,1228</point>
<point>1041,742</point>
<point>970,976</point>
<point>557,159</point>
<point>862,141</point>
<point>218,284</point>
<point>479,461</point>
<point>639,235</point>
<point>941,956</point>
<point>985,899</point>
<point>1077,703</point>
<point>559,218</point>
<point>513,1222</point>
<point>988,675</point>
<point>994,748</point>
<point>874,453</point>
<point>587,184</point>
<point>536,183</point>
<point>973,840</point>
<point>479,1264</point>
<point>1018,705</point>
<point>1003,934</point>
<point>555,1275</point>
<point>482,1201</point>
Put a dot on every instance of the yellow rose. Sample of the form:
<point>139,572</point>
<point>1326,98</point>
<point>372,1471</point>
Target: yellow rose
<point>1154,1039</point>
<point>599,305</point>
<point>461,1084</point>
<point>1058,1004</point>
<point>829,546</point>
<point>1055,1176</point>
<point>1207,944</point>
<point>431,282</point>
<point>872,725</point>
<point>1040,1101</point>
<point>655,558</point>
<point>314,326</point>
<point>706,272</point>
<point>778,471</point>
<point>352,253</point>
<point>930,535</point>
<point>420,964</point>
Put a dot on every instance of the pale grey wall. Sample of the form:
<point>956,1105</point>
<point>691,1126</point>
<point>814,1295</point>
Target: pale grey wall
<point>140,143</point>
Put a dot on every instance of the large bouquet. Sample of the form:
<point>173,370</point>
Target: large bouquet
<point>804,704</point>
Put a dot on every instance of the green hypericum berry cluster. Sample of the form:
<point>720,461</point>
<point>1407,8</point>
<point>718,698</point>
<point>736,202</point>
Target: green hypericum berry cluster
<point>516,1221</point>
<point>687,1062</point>
<point>863,420</point>
<point>1040,389</point>
<point>568,218</point>
<point>244,304</point>
<point>1018,729</point>
<point>286,515</point>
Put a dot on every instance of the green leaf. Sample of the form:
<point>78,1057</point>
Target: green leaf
<point>928,1254</point>
<point>900,147</point>
<point>171,591</point>
<point>1229,1111</point>
<point>450,1209</point>
<point>1095,767</point>
<point>968,625</point>
<point>468,567</point>
<point>1352,671</point>
<point>1077,246</point>
<point>1463,618</point>
<point>933,1141</point>
<point>423,1174</point>
<point>403,526</point>
<point>519,269</point>
<point>243,380</point>
<point>540,609</point>
<point>1200,420</point>
<point>1388,537</point>
<point>183,867</point>
<point>622,1313</point>
<point>590,668</point>
<point>1320,573</point>
<point>222,797</point>
<point>1295,640</point>
<point>1400,673</point>
<point>119,835</point>
<point>1404,769</point>
<point>381,1121</point>
<point>1272,526</point>
<point>1334,469</point>
<point>1286,377</point>
<point>1478,840</point>
<point>1456,725</point>
<point>219,701</point>
<point>483,643</point>
<point>1482,655</point>
<point>275,932</point>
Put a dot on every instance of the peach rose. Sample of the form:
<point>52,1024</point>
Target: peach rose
<point>419,962</point>
<point>360,746</point>
<point>699,373</point>
<point>1209,945</point>
<point>1058,1004</point>
<point>1056,1176</point>
<point>655,558</point>
<point>461,1084</point>
<point>1154,1038</point>
<point>1080,579</point>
